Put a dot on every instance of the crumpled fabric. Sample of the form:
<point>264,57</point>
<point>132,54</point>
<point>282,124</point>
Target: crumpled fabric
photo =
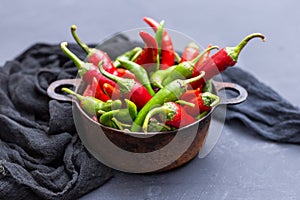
<point>41,155</point>
<point>264,112</point>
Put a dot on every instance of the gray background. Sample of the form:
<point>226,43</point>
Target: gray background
<point>242,165</point>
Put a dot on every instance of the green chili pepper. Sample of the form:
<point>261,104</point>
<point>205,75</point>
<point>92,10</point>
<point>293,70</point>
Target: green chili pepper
<point>208,86</point>
<point>156,126</point>
<point>158,76</point>
<point>185,69</point>
<point>115,118</point>
<point>92,105</point>
<point>128,114</point>
<point>109,119</point>
<point>171,92</point>
<point>139,72</point>
<point>106,119</point>
<point>129,55</point>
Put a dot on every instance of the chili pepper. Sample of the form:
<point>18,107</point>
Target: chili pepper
<point>107,119</point>
<point>190,94</point>
<point>158,76</point>
<point>97,91</point>
<point>223,59</point>
<point>112,92</point>
<point>95,55</point>
<point>185,69</point>
<point>205,57</point>
<point>190,52</point>
<point>139,72</point>
<point>128,55</point>
<point>182,70</point>
<point>156,126</point>
<point>130,89</point>
<point>203,102</point>
<point>148,56</point>
<point>86,70</point>
<point>88,91</point>
<point>118,118</point>
<point>128,114</point>
<point>125,73</point>
<point>175,115</point>
<point>92,105</point>
<point>208,87</point>
<point>159,35</point>
<point>167,57</point>
<point>171,92</point>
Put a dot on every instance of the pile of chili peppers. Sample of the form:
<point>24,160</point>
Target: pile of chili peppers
<point>151,88</point>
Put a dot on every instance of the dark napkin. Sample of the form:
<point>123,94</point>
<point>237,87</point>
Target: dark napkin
<point>264,112</point>
<point>41,154</point>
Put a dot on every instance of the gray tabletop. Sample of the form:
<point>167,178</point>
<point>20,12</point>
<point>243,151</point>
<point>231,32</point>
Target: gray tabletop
<point>242,165</point>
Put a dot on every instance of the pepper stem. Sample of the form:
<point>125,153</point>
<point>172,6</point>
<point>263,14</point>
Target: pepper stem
<point>153,112</point>
<point>108,75</point>
<point>125,84</point>
<point>182,102</point>
<point>212,98</point>
<point>67,90</point>
<point>79,42</point>
<point>235,51</point>
<point>71,55</point>
<point>190,80</point>
<point>195,60</point>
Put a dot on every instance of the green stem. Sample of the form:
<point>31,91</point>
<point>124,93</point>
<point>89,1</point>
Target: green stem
<point>201,115</point>
<point>182,102</point>
<point>190,80</point>
<point>79,42</point>
<point>125,84</point>
<point>128,55</point>
<point>213,99</point>
<point>195,60</point>
<point>78,96</point>
<point>119,124</point>
<point>153,112</point>
<point>235,51</point>
<point>177,57</point>
<point>79,63</point>
<point>139,72</point>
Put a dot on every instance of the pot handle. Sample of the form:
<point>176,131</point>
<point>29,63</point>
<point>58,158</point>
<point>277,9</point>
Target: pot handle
<point>242,92</point>
<point>53,90</point>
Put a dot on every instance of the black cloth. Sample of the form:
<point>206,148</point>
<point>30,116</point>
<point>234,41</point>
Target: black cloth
<point>41,154</point>
<point>264,112</point>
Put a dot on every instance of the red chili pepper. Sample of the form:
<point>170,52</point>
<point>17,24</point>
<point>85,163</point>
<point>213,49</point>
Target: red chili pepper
<point>205,57</point>
<point>112,92</point>
<point>173,113</point>
<point>203,102</point>
<point>167,47</point>
<point>88,91</point>
<point>223,59</point>
<point>148,56</point>
<point>190,52</point>
<point>86,70</point>
<point>130,89</point>
<point>190,94</point>
<point>95,55</point>
<point>97,91</point>
<point>125,73</point>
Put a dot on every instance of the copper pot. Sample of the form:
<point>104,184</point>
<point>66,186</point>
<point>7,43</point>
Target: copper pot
<point>137,152</point>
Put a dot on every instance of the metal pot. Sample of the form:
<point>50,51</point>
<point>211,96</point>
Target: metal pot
<point>137,152</point>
